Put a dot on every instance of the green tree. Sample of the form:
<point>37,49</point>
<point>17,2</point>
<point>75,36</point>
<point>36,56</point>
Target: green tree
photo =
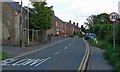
<point>99,19</point>
<point>83,29</point>
<point>41,16</point>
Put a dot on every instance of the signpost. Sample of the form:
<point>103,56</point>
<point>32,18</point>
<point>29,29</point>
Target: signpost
<point>90,35</point>
<point>113,18</point>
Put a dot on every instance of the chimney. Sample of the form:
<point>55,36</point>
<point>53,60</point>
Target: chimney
<point>70,21</point>
<point>77,24</point>
<point>74,23</point>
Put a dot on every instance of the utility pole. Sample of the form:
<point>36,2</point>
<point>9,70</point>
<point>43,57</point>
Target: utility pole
<point>20,32</point>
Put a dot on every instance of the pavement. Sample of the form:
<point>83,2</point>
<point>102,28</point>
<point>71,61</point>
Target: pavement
<point>98,62</point>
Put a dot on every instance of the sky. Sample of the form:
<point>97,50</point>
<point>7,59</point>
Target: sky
<point>79,10</point>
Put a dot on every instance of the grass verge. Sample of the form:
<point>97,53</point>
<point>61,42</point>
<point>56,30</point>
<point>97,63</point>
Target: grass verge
<point>3,56</point>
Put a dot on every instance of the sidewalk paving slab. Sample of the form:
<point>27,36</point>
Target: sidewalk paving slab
<point>98,62</point>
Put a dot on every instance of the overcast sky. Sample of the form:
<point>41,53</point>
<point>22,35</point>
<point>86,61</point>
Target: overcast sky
<point>79,10</point>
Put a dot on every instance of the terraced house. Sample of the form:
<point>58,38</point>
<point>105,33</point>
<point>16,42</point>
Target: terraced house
<point>63,29</point>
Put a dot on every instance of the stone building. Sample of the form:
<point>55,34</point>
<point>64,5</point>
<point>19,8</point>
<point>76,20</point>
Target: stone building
<point>0,22</point>
<point>11,23</point>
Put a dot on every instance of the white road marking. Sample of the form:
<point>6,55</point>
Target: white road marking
<point>36,61</point>
<point>66,47</point>
<point>7,61</point>
<point>24,62</point>
<point>42,61</point>
<point>20,62</point>
<point>57,52</point>
<point>69,44</point>
<point>28,62</point>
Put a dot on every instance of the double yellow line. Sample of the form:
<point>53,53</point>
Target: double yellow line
<point>85,59</point>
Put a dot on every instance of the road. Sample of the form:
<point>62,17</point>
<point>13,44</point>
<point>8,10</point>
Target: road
<point>65,55</point>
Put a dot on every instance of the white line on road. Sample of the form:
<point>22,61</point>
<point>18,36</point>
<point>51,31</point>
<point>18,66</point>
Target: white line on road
<point>72,42</point>
<point>57,52</point>
<point>7,61</point>
<point>20,62</point>
<point>66,47</point>
<point>24,62</point>
<point>36,61</point>
<point>42,61</point>
<point>41,48</point>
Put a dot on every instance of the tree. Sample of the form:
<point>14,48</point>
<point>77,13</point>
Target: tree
<point>83,29</point>
<point>102,18</point>
<point>41,16</point>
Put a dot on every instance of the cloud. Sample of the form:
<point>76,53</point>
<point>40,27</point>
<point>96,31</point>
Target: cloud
<point>79,10</point>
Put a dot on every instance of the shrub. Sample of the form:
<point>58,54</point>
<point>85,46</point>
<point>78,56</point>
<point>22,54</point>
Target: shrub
<point>71,35</point>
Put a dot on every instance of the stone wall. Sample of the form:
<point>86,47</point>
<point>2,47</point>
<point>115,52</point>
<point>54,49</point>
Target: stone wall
<point>8,22</point>
<point>11,20</point>
<point>0,22</point>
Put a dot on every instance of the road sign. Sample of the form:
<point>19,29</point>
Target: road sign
<point>113,17</point>
<point>90,35</point>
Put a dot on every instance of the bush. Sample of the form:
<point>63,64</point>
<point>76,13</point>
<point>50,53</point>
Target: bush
<point>118,66</point>
<point>112,57</point>
<point>91,41</point>
<point>109,37</point>
<point>103,44</point>
<point>100,44</point>
<point>118,34</point>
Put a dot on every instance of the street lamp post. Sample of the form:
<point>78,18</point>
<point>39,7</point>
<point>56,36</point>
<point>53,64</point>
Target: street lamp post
<point>20,24</point>
<point>28,24</point>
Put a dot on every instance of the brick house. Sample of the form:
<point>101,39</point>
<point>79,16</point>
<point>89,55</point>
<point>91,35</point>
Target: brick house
<point>76,28</point>
<point>63,29</point>
<point>57,27</point>
<point>70,28</point>
<point>11,23</point>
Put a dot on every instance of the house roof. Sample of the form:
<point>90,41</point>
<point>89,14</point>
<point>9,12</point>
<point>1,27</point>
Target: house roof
<point>16,6</point>
<point>57,19</point>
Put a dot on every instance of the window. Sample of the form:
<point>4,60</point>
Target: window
<point>56,23</point>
